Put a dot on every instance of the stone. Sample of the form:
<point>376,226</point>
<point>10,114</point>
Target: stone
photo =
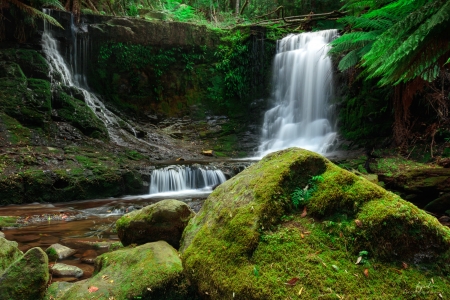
<point>439,205</point>
<point>150,271</point>
<point>89,256</point>
<point>59,251</point>
<point>250,240</point>
<point>164,220</point>
<point>64,270</point>
<point>26,278</point>
<point>9,252</point>
<point>2,234</point>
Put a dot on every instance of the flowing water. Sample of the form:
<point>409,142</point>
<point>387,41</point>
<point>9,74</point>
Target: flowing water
<point>302,89</point>
<point>182,178</point>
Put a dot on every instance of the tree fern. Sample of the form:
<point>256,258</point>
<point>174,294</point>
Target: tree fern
<point>35,13</point>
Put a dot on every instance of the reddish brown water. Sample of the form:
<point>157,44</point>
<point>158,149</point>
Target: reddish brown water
<point>86,226</point>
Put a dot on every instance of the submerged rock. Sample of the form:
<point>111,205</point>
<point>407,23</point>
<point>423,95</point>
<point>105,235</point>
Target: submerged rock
<point>164,220</point>
<point>250,242</point>
<point>26,278</point>
<point>150,271</point>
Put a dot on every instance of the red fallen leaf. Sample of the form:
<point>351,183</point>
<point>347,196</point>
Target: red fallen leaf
<point>92,289</point>
<point>366,273</point>
<point>304,213</point>
<point>358,223</point>
<point>405,265</point>
<point>292,281</point>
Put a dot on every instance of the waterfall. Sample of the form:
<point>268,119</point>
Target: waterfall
<point>301,89</point>
<point>179,178</point>
<point>74,75</point>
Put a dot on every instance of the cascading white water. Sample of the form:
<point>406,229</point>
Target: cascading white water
<point>179,178</point>
<point>302,87</point>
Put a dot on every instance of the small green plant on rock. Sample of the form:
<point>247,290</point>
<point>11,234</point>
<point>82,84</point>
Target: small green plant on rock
<point>301,196</point>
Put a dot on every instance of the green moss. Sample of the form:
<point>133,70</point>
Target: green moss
<point>9,253</point>
<point>8,221</point>
<point>248,241</point>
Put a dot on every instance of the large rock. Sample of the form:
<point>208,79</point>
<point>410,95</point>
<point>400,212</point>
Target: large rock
<point>9,252</point>
<point>64,270</point>
<point>27,277</point>
<point>162,221</point>
<point>58,251</point>
<point>249,242</point>
<point>150,271</point>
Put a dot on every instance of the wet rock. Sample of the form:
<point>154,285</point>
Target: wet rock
<point>64,270</point>
<point>150,271</point>
<point>59,251</point>
<point>86,243</point>
<point>89,256</point>
<point>9,252</point>
<point>439,205</point>
<point>164,220</point>
<point>26,278</point>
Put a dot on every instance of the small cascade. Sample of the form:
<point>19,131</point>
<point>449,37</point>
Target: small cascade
<point>301,89</point>
<point>74,75</point>
<point>180,178</point>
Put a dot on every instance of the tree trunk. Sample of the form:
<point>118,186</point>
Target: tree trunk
<point>237,8</point>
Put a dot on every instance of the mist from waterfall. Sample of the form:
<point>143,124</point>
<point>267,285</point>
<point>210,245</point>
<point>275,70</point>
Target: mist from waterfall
<point>302,87</point>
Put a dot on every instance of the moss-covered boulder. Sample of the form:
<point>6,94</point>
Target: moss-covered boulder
<point>162,221</point>
<point>150,271</point>
<point>9,252</point>
<point>250,242</point>
<point>27,277</point>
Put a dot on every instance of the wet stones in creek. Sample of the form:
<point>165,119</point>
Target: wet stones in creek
<point>164,220</point>
<point>58,251</point>
<point>63,270</point>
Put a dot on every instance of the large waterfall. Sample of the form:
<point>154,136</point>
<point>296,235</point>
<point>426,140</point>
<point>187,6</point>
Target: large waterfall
<point>301,89</point>
<point>181,178</point>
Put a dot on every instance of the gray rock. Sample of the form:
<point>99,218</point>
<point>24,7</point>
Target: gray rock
<point>63,270</point>
<point>60,250</point>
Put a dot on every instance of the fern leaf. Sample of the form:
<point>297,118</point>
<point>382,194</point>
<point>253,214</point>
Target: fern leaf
<point>34,13</point>
<point>349,60</point>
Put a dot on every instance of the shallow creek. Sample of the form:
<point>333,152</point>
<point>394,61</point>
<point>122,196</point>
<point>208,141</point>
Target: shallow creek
<point>86,226</point>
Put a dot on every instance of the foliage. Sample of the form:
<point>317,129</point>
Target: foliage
<point>396,41</point>
<point>301,196</point>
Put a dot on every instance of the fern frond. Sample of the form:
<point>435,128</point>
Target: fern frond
<point>51,3</point>
<point>34,13</point>
<point>349,60</point>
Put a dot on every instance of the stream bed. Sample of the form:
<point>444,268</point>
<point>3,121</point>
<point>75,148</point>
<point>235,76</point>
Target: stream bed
<point>87,226</point>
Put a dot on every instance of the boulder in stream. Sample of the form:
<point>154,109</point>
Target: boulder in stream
<point>150,271</point>
<point>296,224</point>
<point>162,221</point>
<point>58,251</point>
<point>64,270</point>
<point>26,278</point>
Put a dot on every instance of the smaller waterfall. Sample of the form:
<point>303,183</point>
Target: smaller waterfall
<point>179,178</point>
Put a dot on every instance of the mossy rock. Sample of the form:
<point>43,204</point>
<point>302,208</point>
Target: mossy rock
<point>249,242</point>
<point>162,221</point>
<point>31,62</point>
<point>79,115</point>
<point>27,277</point>
<point>9,253</point>
<point>150,271</point>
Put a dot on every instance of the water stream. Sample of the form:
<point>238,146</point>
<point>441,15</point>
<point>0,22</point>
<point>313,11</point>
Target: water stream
<point>302,88</point>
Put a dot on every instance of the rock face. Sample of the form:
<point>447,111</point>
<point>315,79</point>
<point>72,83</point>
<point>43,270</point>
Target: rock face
<point>164,220</point>
<point>27,277</point>
<point>8,253</point>
<point>150,271</point>
<point>249,242</point>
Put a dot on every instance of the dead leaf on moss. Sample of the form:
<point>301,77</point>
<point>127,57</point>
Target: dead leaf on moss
<point>304,213</point>
<point>292,281</point>
<point>404,265</point>
<point>358,223</point>
<point>92,289</point>
<point>366,273</point>
<point>358,260</point>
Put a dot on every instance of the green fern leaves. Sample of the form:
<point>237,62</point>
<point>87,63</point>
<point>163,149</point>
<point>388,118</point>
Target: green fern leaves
<point>396,41</point>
